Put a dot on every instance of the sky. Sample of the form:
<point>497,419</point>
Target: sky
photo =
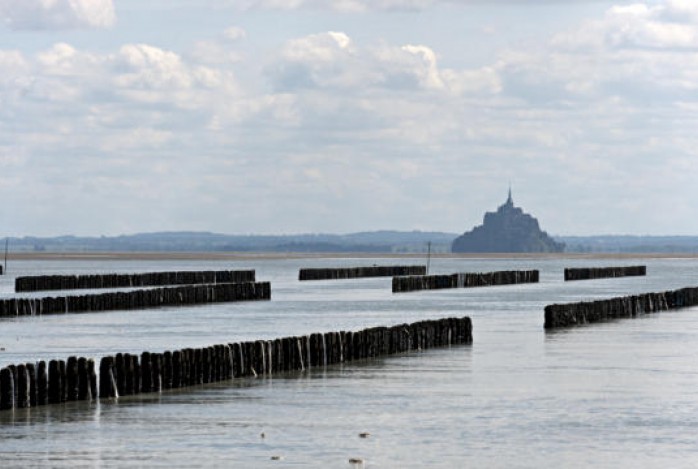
<point>338,116</point>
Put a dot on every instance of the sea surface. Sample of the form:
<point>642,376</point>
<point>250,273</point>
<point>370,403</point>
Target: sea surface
<point>617,394</point>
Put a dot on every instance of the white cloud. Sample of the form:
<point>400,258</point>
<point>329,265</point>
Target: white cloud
<point>326,47</point>
<point>349,6</point>
<point>148,67</point>
<point>333,60</point>
<point>319,60</point>
<point>634,51</point>
<point>15,81</point>
<point>14,69</point>
<point>679,11</point>
<point>426,70</point>
<point>136,138</point>
<point>57,14</point>
<point>234,33</point>
<point>327,123</point>
<point>668,25</point>
<point>219,51</point>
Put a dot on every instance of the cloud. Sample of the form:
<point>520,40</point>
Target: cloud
<point>15,80</point>
<point>170,137</point>
<point>57,14</point>
<point>318,60</point>
<point>148,67</point>
<point>325,47</point>
<point>367,6</point>
<point>332,60</point>
<point>14,69</point>
<point>669,25</point>
<point>638,52</point>
<point>220,51</point>
<point>234,33</point>
<point>348,6</point>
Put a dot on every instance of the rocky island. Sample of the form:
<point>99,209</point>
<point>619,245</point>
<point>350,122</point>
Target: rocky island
<point>509,229</point>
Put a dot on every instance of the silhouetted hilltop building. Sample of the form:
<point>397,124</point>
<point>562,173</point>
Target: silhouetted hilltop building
<point>508,229</point>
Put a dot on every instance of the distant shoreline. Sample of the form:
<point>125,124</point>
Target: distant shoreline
<point>341,255</point>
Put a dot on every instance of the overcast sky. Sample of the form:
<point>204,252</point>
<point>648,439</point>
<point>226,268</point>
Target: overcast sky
<point>296,116</point>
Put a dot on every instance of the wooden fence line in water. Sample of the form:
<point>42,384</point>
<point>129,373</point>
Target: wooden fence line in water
<point>588,273</point>
<point>35,384</point>
<point>137,299</point>
<point>575,314</point>
<point>360,272</point>
<point>146,279</point>
<point>463,280</point>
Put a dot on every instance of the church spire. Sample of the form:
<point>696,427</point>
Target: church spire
<point>510,201</point>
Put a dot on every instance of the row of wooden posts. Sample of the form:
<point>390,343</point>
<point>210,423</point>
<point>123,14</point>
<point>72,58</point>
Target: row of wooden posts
<point>463,280</point>
<point>137,299</point>
<point>575,314</point>
<point>35,384</point>
<point>588,273</point>
<point>360,272</point>
<point>148,279</point>
<point>418,280</point>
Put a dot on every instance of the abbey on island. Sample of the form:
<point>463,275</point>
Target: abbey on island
<point>509,229</point>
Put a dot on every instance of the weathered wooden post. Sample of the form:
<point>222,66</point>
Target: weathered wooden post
<point>146,371</point>
<point>129,375</point>
<point>42,384</point>
<point>7,389</point>
<point>22,387</point>
<point>205,365</point>
<point>198,369</point>
<point>120,367</point>
<point>33,392</point>
<point>156,365</point>
<point>71,379</point>
<point>177,369</point>
<point>55,382</point>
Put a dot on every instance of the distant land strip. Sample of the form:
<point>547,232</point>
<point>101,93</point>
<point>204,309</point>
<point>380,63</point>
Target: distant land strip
<point>368,242</point>
<point>256,256</point>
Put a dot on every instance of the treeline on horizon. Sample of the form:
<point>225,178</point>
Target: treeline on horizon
<point>365,242</point>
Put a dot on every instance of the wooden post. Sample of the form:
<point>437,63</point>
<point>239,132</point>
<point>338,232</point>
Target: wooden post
<point>7,389</point>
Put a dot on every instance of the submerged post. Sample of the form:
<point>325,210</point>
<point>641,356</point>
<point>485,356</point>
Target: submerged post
<point>428,256</point>
<point>3,269</point>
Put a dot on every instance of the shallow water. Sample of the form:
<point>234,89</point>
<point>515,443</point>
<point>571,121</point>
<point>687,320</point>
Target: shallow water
<point>616,394</point>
